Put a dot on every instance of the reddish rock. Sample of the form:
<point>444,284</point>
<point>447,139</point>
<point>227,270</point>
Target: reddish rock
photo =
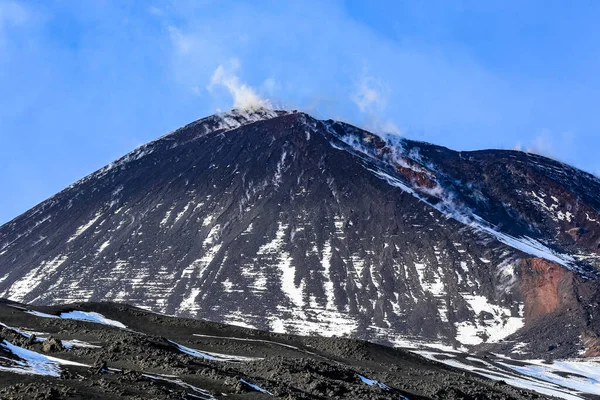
<point>577,233</point>
<point>546,286</point>
<point>420,178</point>
<point>591,343</point>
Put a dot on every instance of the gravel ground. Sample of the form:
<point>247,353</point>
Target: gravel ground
<point>147,361</point>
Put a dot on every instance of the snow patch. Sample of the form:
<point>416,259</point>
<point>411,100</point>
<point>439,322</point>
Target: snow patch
<point>373,382</point>
<point>33,278</point>
<point>213,356</point>
<point>30,362</point>
<point>257,388</point>
<point>499,372</point>
<point>70,343</point>
<point>189,302</point>
<point>499,326</point>
<point>581,376</point>
<point>170,379</point>
<point>181,213</point>
<point>274,250</point>
<point>166,218</point>
<point>102,247</point>
<point>81,316</point>
<point>85,227</point>
<point>328,282</point>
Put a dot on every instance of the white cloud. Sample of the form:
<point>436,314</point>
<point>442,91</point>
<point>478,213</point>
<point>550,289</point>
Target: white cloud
<point>244,97</point>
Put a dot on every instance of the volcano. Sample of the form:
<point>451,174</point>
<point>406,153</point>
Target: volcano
<point>278,221</point>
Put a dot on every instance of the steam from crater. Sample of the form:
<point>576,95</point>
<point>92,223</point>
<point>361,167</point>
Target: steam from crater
<point>244,96</point>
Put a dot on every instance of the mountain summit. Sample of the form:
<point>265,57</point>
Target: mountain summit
<point>279,221</point>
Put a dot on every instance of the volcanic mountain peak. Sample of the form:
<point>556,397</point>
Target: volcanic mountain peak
<point>233,119</point>
<point>245,116</point>
<point>279,221</point>
<point>220,122</point>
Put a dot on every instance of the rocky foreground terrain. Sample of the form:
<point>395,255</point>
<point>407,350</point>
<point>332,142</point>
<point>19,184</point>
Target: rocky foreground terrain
<point>108,351</point>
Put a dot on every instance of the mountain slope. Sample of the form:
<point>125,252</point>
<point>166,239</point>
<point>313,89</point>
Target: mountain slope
<point>281,222</point>
<point>525,194</point>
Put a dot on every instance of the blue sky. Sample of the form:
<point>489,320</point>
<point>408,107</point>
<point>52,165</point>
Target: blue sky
<point>83,82</point>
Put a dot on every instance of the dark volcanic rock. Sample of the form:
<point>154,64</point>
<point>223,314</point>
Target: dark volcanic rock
<point>51,344</point>
<point>145,362</point>
<point>282,222</point>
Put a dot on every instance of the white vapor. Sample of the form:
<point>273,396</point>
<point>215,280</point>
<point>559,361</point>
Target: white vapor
<point>370,96</point>
<point>389,127</point>
<point>244,97</point>
<point>542,144</point>
<point>545,143</point>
